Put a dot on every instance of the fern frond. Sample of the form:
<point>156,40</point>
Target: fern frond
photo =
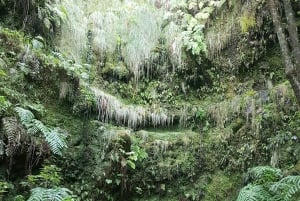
<point>2,148</point>
<point>13,132</point>
<point>37,126</point>
<point>26,116</point>
<point>54,137</point>
<point>56,140</point>
<point>55,194</point>
<point>254,193</point>
<point>286,188</point>
<point>263,174</point>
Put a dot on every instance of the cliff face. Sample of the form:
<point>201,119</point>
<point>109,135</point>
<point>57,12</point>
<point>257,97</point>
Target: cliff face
<point>142,100</point>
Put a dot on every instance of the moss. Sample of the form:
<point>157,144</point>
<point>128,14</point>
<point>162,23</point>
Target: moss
<point>60,115</point>
<point>222,187</point>
<point>12,41</point>
<point>181,164</point>
<point>115,70</point>
<point>247,21</point>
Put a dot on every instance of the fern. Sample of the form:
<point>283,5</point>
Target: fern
<point>263,174</point>
<point>13,132</point>
<point>286,188</point>
<point>254,193</point>
<point>54,137</point>
<point>56,140</point>
<point>2,148</point>
<point>269,188</point>
<point>4,104</point>
<point>37,126</point>
<point>26,116</point>
<point>54,194</point>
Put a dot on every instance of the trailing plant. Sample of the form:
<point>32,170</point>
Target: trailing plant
<point>128,31</point>
<point>110,109</point>
<point>247,21</point>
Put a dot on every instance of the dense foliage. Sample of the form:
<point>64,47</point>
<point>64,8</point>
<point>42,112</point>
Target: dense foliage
<point>145,100</point>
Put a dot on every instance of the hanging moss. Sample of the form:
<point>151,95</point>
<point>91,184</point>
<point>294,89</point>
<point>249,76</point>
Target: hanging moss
<point>247,21</point>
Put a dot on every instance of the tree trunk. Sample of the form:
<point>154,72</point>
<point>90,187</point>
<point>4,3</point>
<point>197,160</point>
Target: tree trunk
<point>293,35</point>
<point>292,70</point>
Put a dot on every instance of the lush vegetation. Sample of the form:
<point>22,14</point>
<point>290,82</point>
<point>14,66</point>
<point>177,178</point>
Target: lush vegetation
<point>147,100</point>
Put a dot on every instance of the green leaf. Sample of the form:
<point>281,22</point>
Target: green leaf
<point>108,181</point>
<point>2,73</point>
<point>2,100</point>
<point>134,157</point>
<point>131,164</point>
<point>118,181</point>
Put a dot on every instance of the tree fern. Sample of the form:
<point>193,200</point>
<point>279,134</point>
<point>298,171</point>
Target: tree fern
<point>54,194</point>
<point>56,140</point>
<point>37,126</point>
<point>267,187</point>
<point>263,174</point>
<point>254,193</point>
<point>26,116</point>
<point>54,137</point>
<point>13,131</point>
<point>286,188</point>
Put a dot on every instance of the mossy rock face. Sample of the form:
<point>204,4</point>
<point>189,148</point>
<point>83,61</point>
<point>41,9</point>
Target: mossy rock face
<point>116,70</point>
<point>11,41</point>
<point>221,187</point>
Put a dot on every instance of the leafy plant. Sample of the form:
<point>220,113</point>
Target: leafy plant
<point>286,188</point>
<point>4,104</point>
<point>55,137</point>
<point>266,186</point>
<point>193,39</point>
<point>264,174</point>
<point>254,193</point>
<point>137,154</point>
<point>48,177</point>
<point>3,187</point>
<point>53,194</point>
<point>19,198</point>
<point>47,185</point>
<point>2,73</point>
